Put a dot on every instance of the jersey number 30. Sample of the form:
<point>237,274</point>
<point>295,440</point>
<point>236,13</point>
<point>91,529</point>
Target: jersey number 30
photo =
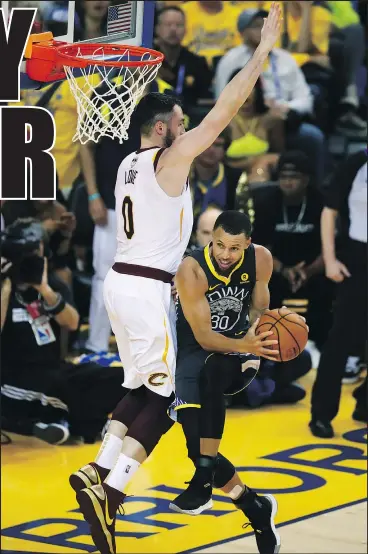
<point>127,210</point>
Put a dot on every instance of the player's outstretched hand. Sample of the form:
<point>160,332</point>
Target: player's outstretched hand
<point>257,344</point>
<point>271,27</point>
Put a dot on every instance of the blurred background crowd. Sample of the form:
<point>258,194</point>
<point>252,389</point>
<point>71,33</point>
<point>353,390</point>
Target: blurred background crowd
<point>293,159</point>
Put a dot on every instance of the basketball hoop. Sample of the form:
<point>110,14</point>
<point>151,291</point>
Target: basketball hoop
<point>106,80</point>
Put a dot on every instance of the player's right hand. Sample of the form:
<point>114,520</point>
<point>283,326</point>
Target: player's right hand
<point>257,344</point>
<point>98,211</point>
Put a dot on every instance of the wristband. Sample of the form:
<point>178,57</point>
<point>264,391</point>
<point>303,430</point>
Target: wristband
<point>94,196</point>
<point>57,308</point>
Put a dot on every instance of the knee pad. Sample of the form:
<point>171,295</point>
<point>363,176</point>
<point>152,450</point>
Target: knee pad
<point>224,471</point>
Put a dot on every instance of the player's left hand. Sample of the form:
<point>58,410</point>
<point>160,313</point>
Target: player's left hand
<point>271,27</point>
<point>174,291</point>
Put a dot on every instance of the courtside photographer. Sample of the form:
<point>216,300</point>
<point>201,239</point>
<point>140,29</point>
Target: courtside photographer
<point>41,394</point>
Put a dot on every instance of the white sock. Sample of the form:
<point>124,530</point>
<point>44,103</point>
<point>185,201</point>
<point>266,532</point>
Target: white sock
<point>109,452</point>
<point>122,472</point>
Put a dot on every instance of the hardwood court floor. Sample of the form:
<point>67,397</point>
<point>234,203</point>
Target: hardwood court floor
<point>320,487</point>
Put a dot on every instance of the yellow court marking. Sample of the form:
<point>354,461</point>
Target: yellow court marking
<point>272,448</point>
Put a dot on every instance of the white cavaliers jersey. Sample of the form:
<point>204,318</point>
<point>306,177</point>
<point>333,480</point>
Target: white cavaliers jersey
<point>153,229</point>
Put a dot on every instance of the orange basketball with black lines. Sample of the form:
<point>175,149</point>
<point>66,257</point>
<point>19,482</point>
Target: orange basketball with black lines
<point>290,329</point>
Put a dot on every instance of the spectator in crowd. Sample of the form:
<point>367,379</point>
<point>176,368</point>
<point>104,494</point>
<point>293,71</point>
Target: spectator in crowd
<point>347,50</point>
<point>346,198</point>
<point>92,15</point>
<point>287,221</point>
<point>58,223</point>
<point>285,89</point>
<point>205,225</point>
<point>210,28</point>
<point>257,137</point>
<point>275,383</point>
<point>307,29</point>
<point>40,393</point>
<point>187,73</point>
<point>213,182</point>
<point>55,16</point>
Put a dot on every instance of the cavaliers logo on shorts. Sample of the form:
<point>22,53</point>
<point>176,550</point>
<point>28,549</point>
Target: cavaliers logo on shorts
<point>154,379</point>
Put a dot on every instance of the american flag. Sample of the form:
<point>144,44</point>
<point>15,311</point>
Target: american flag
<point>119,18</point>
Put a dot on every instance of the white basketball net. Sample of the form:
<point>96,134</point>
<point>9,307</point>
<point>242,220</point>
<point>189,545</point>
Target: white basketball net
<point>106,96</point>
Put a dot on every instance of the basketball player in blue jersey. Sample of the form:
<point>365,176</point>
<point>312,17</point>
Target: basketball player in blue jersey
<point>223,290</point>
<point>154,221</point>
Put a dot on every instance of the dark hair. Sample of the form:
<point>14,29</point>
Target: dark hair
<point>295,159</point>
<point>234,223</point>
<point>154,107</point>
<point>165,9</point>
<point>226,135</point>
<point>259,101</point>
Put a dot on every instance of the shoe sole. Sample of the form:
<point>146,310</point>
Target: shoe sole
<point>79,481</point>
<point>52,434</point>
<point>93,514</point>
<point>195,512</point>
<point>273,502</point>
<point>350,380</point>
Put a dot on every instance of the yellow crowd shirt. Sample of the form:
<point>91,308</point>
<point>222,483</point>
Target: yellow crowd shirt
<point>211,35</point>
<point>64,109</point>
<point>320,28</point>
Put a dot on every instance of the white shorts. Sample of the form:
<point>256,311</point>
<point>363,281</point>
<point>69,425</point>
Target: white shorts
<point>142,317</point>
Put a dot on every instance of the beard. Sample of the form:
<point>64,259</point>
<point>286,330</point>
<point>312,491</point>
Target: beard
<point>168,139</point>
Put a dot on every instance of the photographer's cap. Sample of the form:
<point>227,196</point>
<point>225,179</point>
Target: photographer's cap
<point>247,17</point>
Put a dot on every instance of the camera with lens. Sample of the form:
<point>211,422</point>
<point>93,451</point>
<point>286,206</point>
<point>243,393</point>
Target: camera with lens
<point>20,244</point>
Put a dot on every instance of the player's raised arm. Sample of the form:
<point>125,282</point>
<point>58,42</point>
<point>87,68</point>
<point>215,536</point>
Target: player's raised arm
<point>192,286</point>
<point>190,145</point>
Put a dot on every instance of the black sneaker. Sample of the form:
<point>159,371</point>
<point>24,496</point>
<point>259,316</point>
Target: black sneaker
<point>261,512</point>
<point>198,496</point>
<point>53,433</point>
<point>321,429</point>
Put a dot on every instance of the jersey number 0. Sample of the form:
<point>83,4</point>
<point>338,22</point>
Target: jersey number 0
<point>127,210</point>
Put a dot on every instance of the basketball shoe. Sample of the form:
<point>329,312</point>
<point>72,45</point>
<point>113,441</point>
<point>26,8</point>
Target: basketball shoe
<point>261,511</point>
<point>198,496</point>
<point>99,505</point>
<point>87,476</point>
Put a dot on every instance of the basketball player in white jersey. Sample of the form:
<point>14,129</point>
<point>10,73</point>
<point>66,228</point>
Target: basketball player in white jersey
<point>154,217</point>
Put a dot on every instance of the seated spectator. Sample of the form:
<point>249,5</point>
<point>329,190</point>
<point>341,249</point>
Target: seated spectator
<point>205,225</point>
<point>93,19</point>
<point>257,137</point>
<point>58,223</point>
<point>285,89</point>
<point>210,28</point>
<point>187,73</point>
<point>213,183</point>
<point>41,394</point>
<point>287,221</point>
<point>347,50</point>
<point>275,383</point>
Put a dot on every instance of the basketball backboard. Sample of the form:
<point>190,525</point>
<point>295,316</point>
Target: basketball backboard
<point>122,21</point>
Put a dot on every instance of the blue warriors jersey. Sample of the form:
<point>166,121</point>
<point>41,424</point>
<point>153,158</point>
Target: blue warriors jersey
<point>229,297</point>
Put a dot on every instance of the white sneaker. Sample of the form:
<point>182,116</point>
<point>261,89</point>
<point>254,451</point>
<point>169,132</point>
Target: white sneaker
<point>352,370</point>
<point>314,352</point>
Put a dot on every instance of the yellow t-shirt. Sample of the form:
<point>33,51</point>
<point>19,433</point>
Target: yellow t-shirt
<point>211,35</point>
<point>320,28</point>
<point>63,107</point>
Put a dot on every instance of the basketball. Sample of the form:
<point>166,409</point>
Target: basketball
<point>290,329</point>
